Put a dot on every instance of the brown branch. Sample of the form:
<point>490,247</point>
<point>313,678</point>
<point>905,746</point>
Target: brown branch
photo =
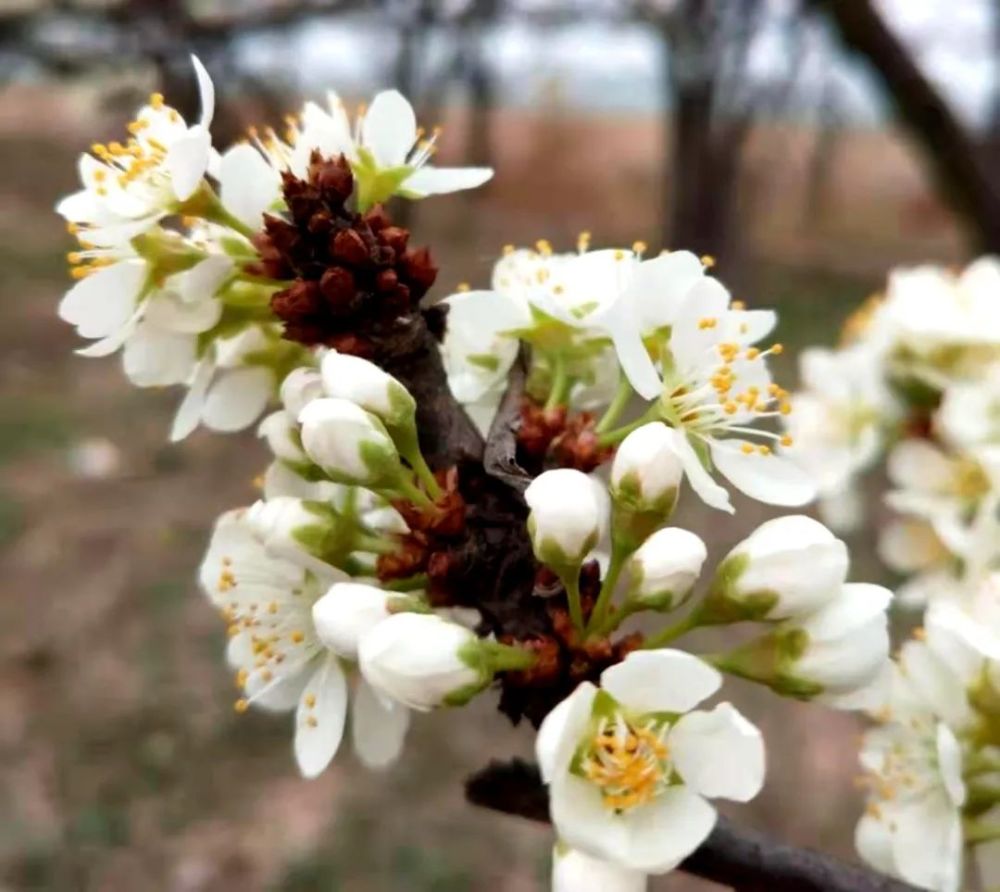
<point>732,856</point>
<point>954,158</point>
<point>500,457</point>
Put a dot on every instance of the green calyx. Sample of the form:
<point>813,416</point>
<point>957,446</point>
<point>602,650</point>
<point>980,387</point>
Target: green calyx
<point>166,253</point>
<point>724,605</point>
<point>635,519</point>
<point>374,184</point>
<point>487,658</point>
<point>770,660</point>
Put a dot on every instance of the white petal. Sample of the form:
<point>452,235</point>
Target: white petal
<point>189,411</point>
<point>237,398</point>
<point>660,681</point>
<point>99,304</point>
<point>927,844</point>
<point>389,128</point>
<point>622,324</point>
<point>772,479</point>
<point>718,753</point>
<point>167,312</point>
<point>873,840</point>
<point>249,186</point>
<point>282,694</point>
<point>378,727</point>
<point>320,727</point>
<point>187,161</point>
<point>701,481</point>
<point>429,180</point>
<point>107,346</point>
<point>156,358</point>
<point>582,820</point>
<point>560,731</point>
<point>575,871</point>
<point>206,92</point>
<point>663,833</point>
<point>660,286</point>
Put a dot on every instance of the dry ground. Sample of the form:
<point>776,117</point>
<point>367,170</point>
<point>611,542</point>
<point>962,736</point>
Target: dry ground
<point>122,764</point>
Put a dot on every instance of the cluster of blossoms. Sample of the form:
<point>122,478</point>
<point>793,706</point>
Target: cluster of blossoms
<point>916,382</point>
<point>393,564</point>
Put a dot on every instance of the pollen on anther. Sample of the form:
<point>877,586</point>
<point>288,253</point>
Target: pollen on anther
<point>241,705</point>
<point>508,249</point>
<point>747,449</point>
<point>298,637</point>
<point>310,700</point>
<point>463,286</point>
<point>707,261</point>
<point>639,247</point>
<point>786,441</point>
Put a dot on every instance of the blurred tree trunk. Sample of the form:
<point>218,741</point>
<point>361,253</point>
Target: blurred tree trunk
<point>965,177</point>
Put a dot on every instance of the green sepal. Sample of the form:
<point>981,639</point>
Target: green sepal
<point>723,606</point>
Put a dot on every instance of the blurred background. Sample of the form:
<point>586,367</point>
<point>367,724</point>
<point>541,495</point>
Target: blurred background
<point>808,145</point>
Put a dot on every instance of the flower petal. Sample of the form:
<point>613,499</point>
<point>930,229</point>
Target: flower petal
<point>320,717</point>
<point>189,411</point>
<point>157,358</point>
<point>187,161</point>
<point>206,92</point>
<point>560,731</point>
<point>99,304</point>
<point>660,835</point>
<point>429,180</point>
<point>249,186</point>
<point>701,481</point>
<point>237,398</point>
<point>660,681</point>
<point>660,286</point>
<point>389,128</point>
<point>378,727</point>
<point>772,479</point>
<point>718,753</point>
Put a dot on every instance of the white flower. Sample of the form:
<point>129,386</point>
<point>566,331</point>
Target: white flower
<point>787,567</point>
<point>300,531</point>
<point>629,765</point>
<point>574,871</point>
<point>346,613</point>
<point>646,472</point>
<point>300,387</point>
<point>664,569</point>
<point>911,545</point>
<point>364,383</point>
<point>842,650</point>
<point>281,662</point>
<point>348,443</point>
<point>969,414</point>
<point>419,660</point>
<point>282,435</point>
<point>386,150</point>
<point>569,512</point>
<point>840,416</point>
<point>128,188</point>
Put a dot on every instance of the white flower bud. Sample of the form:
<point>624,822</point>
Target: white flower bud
<point>348,443</point>
<point>787,567</point>
<point>292,528</point>
<point>282,435</point>
<point>300,387</point>
<point>360,381</point>
<point>569,511</point>
<point>842,648</point>
<point>420,660</point>
<point>347,612</point>
<point>665,568</point>
<point>646,471</point>
<point>573,871</point>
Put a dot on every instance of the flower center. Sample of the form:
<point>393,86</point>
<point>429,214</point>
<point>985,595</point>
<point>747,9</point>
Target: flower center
<point>629,763</point>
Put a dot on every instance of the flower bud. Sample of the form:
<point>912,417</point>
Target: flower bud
<point>422,661</point>
<point>646,471</point>
<point>282,435</point>
<point>573,871</point>
<point>295,529</point>
<point>360,381</point>
<point>665,568</point>
<point>301,386</point>
<point>569,511</point>
<point>787,567</point>
<point>347,612</point>
<point>348,443</point>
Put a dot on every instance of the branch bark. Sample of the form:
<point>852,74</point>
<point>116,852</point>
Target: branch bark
<point>732,856</point>
<point>954,158</point>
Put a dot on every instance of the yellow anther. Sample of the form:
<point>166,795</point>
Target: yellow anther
<point>241,678</point>
<point>508,249</point>
<point>619,254</point>
<point>74,257</point>
<point>785,408</point>
<point>462,286</point>
<point>583,241</point>
<point>241,705</point>
<point>311,721</point>
<point>920,633</point>
<point>707,261</point>
<point>786,441</point>
<point>544,247</point>
<point>747,448</point>
<point>737,305</point>
<point>752,353</point>
<point>730,407</point>
<point>776,349</point>
<point>298,637</point>
<point>639,247</point>
<point>156,100</point>
<point>707,322</point>
<point>764,449</point>
<point>310,700</point>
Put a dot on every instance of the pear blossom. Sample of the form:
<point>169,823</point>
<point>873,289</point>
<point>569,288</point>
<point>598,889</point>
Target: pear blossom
<point>128,189</point>
<point>630,765</point>
<point>569,512</point>
<point>386,150</point>
<point>840,419</point>
<point>364,383</point>
<point>574,871</point>
<point>421,660</point>
<point>788,567</point>
<point>969,414</point>
<point>646,472</point>
<point>282,662</point>
<point>346,613</point>
<point>664,569</point>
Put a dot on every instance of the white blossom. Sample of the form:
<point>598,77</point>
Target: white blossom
<point>347,442</point>
<point>574,871</point>
<point>663,570</point>
<point>569,512</point>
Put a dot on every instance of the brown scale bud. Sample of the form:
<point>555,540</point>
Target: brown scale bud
<point>377,218</point>
<point>547,661</point>
<point>408,559</point>
<point>339,289</point>
<point>394,237</point>
<point>332,177</point>
<point>419,269</point>
<point>298,301</point>
<point>387,280</point>
<point>348,246</point>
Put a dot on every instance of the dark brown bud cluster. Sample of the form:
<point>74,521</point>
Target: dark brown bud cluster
<point>354,274</point>
<point>552,438</point>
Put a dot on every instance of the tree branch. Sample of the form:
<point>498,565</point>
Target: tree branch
<point>733,856</point>
<point>955,159</point>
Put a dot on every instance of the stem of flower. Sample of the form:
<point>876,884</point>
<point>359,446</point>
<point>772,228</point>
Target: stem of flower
<point>621,399</point>
<point>411,491</point>
<point>425,474</point>
<point>571,582</point>
<point>207,205</point>
<point>407,584</point>
<point>675,631</point>
<point>561,383</point>
<point>610,438</point>
<point>599,615</point>
<point>508,657</point>
<point>374,544</point>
